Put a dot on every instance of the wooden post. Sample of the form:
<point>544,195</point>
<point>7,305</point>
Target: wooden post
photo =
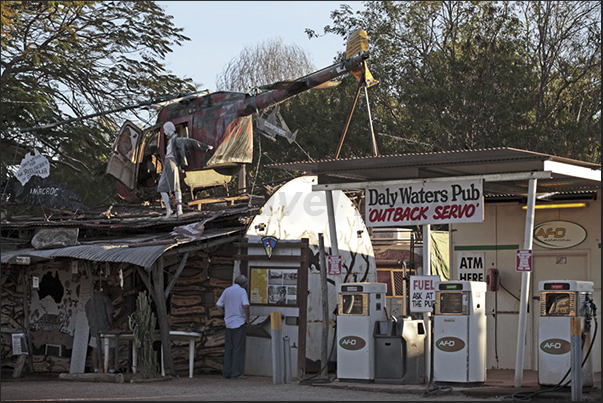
<point>113,378</point>
<point>19,365</point>
<point>181,267</point>
<point>324,357</point>
<point>26,301</point>
<point>302,295</point>
<point>160,302</point>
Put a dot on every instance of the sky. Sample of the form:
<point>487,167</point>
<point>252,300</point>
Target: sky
<point>220,30</point>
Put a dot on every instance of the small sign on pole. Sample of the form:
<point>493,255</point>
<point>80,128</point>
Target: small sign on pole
<point>422,293</point>
<point>524,260</point>
<point>334,265</point>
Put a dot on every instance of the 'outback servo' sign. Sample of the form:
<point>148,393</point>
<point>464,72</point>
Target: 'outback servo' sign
<point>425,203</point>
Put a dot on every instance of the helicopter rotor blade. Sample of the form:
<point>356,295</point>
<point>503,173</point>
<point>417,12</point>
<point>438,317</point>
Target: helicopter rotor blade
<point>125,108</point>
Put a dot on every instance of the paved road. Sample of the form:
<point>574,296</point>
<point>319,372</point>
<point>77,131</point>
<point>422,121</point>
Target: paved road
<point>201,387</point>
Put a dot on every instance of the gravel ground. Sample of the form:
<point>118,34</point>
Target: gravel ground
<point>203,387</point>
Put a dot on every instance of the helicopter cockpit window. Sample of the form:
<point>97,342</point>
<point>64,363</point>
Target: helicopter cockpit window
<point>182,130</point>
<point>152,143</point>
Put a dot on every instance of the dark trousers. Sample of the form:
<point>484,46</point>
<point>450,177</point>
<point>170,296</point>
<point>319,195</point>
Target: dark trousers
<point>234,352</point>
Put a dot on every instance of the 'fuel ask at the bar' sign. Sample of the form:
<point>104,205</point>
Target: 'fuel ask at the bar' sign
<point>425,203</point>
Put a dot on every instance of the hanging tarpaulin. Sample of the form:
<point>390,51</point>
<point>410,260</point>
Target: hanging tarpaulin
<point>34,164</point>
<point>440,254</point>
<point>235,141</point>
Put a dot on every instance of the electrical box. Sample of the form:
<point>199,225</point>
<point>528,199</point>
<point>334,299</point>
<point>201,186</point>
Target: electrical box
<point>360,306</point>
<point>459,332</point>
<point>561,300</point>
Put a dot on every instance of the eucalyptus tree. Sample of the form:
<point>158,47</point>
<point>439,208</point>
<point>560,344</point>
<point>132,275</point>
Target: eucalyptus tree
<point>68,59</point>
<point>264,63</point>
<point>563,41</point>
<point>460,74</point>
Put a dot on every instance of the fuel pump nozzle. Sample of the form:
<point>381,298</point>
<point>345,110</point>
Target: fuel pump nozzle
<point>590,304</point>
<point>590,312</point>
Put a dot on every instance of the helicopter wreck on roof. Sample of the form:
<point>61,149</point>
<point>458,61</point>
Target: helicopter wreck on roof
<point>222,120</point>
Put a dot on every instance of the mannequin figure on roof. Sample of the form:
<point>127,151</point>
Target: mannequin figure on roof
<point>175,159</point>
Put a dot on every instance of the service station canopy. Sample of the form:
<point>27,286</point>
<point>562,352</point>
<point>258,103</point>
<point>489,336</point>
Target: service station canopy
<point>505,172</point>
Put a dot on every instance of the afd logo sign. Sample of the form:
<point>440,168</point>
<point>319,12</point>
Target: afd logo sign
<point>559,234</point>
<point>555,346</point>
<point>352,342</point>
<point>450,344</point>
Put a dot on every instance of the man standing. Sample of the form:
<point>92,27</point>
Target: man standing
<point>100,317</point>
<point>234,304</point>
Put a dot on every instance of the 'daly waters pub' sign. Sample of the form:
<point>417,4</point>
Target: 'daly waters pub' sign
<point>421,203</point>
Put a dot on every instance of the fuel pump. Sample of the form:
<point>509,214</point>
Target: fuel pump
<point>459,332</point>
<point>561,300</point>
<point>360,306</point>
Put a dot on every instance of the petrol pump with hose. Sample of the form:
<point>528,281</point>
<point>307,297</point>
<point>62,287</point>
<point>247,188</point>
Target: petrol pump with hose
<point>560,301</point>
<point>459,333</point>
<point>360,306</point>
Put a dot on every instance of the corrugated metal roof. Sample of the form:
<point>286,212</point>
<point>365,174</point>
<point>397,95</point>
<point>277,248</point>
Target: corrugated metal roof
<point>456,164</point>
<point>116,251</point>
<point>483,157</point>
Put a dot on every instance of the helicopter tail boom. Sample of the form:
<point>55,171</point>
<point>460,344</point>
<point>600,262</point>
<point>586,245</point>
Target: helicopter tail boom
<point>268,99</point>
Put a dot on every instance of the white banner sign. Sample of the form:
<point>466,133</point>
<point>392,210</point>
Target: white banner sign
<point>425,203</point>
<point>33,164</point>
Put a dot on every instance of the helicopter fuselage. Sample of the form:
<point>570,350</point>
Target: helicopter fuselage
<point>222,120</point>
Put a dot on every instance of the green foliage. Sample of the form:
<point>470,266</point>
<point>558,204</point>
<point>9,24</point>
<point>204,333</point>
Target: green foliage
<point>142,323</point>
<point>480,74</point>
<point>65,59</point>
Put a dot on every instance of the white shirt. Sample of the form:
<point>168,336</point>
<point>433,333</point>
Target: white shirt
<point>232,300</point>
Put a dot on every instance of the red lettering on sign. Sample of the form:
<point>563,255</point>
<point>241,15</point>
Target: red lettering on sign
<point>454,211</point>
<point>423,285</point>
